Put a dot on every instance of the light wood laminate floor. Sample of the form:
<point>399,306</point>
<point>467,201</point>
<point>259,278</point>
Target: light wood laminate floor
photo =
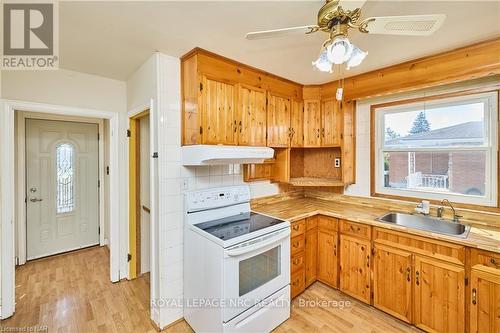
<point>72,293</point>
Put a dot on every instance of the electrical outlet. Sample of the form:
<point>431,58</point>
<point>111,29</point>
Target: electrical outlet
<point>337,162</point>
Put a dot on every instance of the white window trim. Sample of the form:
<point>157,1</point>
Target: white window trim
<point>490,147</point>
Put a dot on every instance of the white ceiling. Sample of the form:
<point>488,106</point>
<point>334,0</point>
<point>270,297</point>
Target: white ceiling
<point>114,39</point>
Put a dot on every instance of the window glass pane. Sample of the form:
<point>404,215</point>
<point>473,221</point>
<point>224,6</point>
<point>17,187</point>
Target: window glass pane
<point>439,126</point>
<point>258,270</point>
<point>65,186</point>
<point>459,172</point>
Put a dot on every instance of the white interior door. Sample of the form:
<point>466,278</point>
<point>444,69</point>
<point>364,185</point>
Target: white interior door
<point>144,193</point>
<point>61,186</point>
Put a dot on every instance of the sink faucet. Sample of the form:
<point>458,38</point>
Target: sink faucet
<point>440,210</point>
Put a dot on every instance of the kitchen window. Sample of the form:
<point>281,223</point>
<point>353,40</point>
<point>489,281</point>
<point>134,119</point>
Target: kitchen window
<point>437,148</point>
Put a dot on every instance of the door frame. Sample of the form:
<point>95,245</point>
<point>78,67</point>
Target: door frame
<point>134,185</point>
<point>21,220</point>
<point>8,187</point>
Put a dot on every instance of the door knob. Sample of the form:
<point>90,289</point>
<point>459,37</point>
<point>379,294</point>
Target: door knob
<point>35,199</point>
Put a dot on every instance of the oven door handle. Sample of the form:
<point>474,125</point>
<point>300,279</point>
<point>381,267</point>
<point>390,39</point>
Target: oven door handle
<point>258,244</point>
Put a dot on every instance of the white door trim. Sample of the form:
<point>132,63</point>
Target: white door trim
<point>21,179</point>
<point>7,188</point>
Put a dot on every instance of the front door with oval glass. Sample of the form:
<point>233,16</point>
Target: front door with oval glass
<point>61,186</point>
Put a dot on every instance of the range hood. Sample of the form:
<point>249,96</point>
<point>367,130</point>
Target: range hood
<point>219,154</point>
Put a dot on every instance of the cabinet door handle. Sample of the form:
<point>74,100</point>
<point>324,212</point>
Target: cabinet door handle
<point>235,127</point>
<point>417,278</point>
<point>295,244</point>
<point>296,261</point>
<point>241,127</point>
<point>323,132</point>
<point>494,262</point>
<point>368,261</point>
<point>408,273</point>
<point>296,227</point>
<point>335,249</point>
<point>474,296</point>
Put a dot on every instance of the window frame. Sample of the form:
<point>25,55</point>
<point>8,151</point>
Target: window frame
<point>490,147</point>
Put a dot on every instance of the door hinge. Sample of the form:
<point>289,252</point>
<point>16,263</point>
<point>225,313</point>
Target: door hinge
<point>107,170</point>
<point>266,101</point>
<point>98,183</point>
<point>201,130</point>
<point>129,257</point>
<point>371,295</point>
<point>128,133</point>
<point>466,281</point>
<point>201,86</point>
<point>97,136</point>
<point>155,154</point>
<point>373,251</point>
<point>99,230</point>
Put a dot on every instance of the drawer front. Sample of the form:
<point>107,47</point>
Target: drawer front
<point>328,223</point>
<point>297,263</point>
<point>297,283</point>
<point>355,229</point>
<point>311,222</point>
<point>297,245</point>
<point>489,259</point>
<point>450,252</point>
<point>298,228</point>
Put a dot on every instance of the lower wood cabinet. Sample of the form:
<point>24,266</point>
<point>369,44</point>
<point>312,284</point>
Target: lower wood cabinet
<point>355,267</point>
<point>439,289</point>
<point>484,299</point>
<point>297,283</point>
<point>311,250</point>
<point>327,257</point>
<point>392,281</point>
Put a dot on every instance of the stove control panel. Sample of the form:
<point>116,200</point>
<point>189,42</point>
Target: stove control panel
<point>217,197</point>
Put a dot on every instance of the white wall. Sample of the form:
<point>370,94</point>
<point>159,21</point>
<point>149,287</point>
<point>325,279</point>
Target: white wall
<point>141,86</point>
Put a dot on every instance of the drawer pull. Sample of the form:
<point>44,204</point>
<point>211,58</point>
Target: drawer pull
<point>296,261</point>
<point>417,275</point>
<point>494,262</point>
<point>474,296</point>
<point>295,244</point>
<point>296,227</point>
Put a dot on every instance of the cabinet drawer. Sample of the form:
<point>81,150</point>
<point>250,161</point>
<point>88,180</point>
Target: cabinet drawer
<point>297,244</point>
<point>297,281</point>
<point>311,222</point>
<point>489,259</point>
<point>298,228</point>
<point>450,252</point>
<point>297,263</point>
<point>355,229</point>
<point>328,223</point>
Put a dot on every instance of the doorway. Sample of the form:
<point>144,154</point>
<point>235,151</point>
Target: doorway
<point>62,186</point>
<point>139,195</point>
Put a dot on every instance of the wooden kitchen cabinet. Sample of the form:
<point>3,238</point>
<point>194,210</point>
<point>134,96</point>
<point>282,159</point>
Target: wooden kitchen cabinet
<point>297,256</point>
<point>328,257</point>
<point>312,123</point>
<point>218,107</point>
<point>297,123</point>
<point>392,281</point>
<point>355,267</point>
<point>311,251</point>
<point>331,123</point>
<point>439,289</point>
<point>278,120</point>
<point>250,125</point>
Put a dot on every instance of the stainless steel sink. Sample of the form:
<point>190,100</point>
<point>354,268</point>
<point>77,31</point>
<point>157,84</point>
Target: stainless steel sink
<point>426,223</point>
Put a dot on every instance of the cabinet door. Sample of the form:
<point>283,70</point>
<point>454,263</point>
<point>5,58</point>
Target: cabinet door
<point>355,267</point>
<point>218,112</point>
<point>278,121</point>
<point>439,296</point>
<point>297,124</point>
<point>327,257</point>
<point>485,300</point>
<point>392,281</point>
<point>311,255</point>
<point>251,116</point>
<point>331,121</point>
<point>312,123</point>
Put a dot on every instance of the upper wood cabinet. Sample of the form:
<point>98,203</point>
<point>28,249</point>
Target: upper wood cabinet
<point>219,115</point>
<point>278,120</point>
<point>312,123</point>
<point>331,123</point>
<point>251,120</point>
<point>297,123</point>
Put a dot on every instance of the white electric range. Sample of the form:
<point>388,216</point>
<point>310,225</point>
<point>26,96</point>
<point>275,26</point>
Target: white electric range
<point>236,263</point>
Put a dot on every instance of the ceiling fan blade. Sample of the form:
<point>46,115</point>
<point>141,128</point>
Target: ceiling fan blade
<point>281,32</point>
<point>411,25</point>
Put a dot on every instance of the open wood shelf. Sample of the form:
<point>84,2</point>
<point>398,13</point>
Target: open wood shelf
<point>313,181</point>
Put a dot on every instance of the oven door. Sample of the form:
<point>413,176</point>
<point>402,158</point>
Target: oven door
<point>255,269</point>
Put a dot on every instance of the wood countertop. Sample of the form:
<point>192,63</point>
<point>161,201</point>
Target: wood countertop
<point>485,238</point>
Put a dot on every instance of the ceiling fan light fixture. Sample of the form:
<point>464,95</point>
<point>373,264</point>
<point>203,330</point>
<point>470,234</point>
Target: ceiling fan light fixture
<point>339,50</point>
<point>356,58</point>
<point>322,63</point>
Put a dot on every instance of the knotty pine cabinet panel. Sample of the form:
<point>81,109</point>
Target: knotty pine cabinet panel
<point>392,281</point>
<point>312,123</point>
<point>331,123</point>
<point>311,250</point>
<point>355,267</point>
<point>219,113</point>
<point>439,289</point>
<point>251,128</point>
<point>297,123</point>
<point>328,257</point>
<point>484,305</point>
<point>278,121</point>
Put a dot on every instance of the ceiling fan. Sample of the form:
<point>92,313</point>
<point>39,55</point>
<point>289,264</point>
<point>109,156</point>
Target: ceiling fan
<point>336,17</point>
